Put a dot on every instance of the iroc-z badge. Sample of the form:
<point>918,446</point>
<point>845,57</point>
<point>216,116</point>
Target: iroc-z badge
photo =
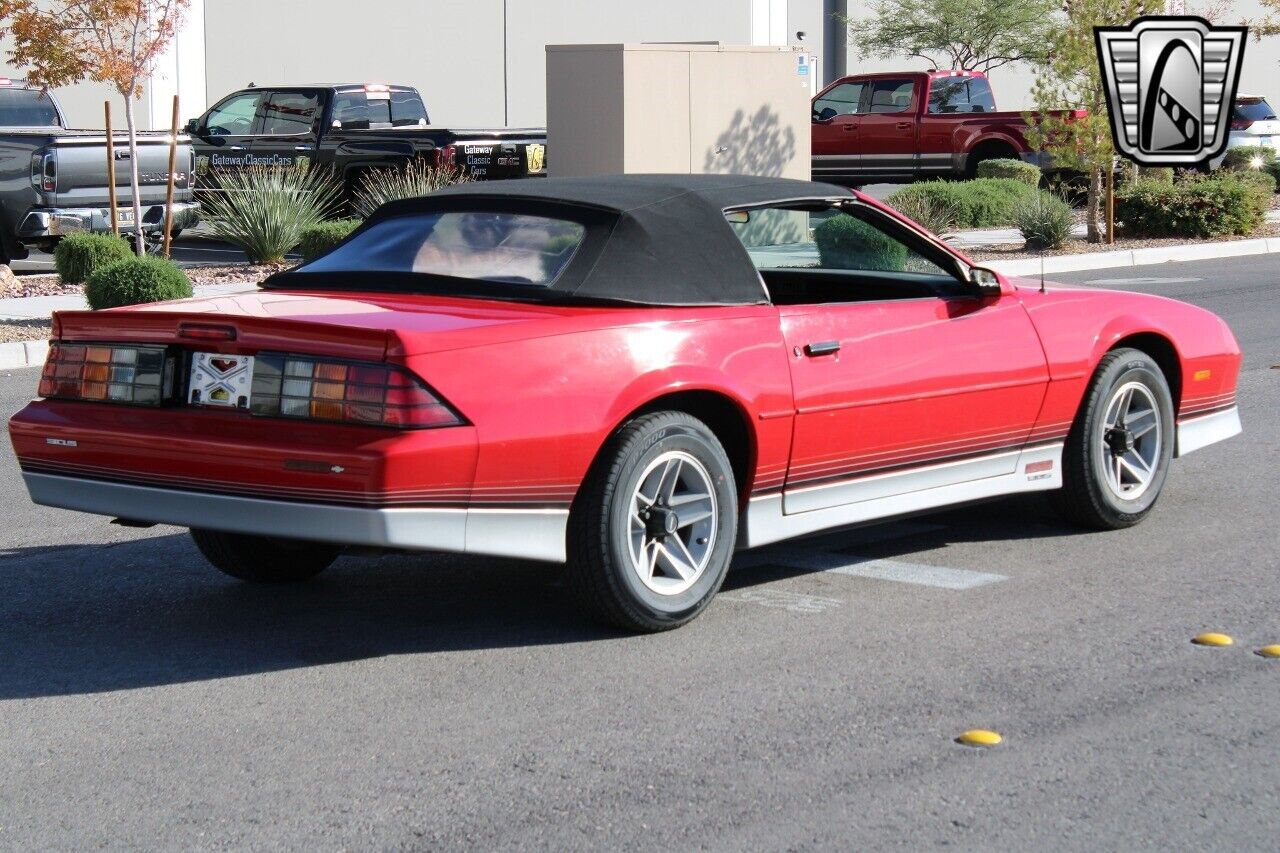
<point>1170,83</point>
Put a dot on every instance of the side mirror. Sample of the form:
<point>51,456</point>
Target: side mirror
<point>191,126</point>
<point>825,114</point>
<point>985,281</point>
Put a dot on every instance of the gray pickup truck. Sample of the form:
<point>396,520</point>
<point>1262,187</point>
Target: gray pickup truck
<point>53,180</point>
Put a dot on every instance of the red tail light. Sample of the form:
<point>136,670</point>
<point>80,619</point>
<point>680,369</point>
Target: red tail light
<point>292,386</point>
<point>446,155</point>
<point>108,373</point>
<point>1241,123</point>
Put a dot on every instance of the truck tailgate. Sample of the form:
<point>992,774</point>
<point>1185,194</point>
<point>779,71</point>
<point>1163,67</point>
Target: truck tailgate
<point>82,173</point>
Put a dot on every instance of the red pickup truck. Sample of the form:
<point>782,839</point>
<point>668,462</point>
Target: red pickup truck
<point>915,124</point>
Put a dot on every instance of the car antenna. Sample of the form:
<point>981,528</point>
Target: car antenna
<point>1040,204</point>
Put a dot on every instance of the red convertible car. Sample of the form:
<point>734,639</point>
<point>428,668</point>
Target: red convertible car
<point>634,375</point>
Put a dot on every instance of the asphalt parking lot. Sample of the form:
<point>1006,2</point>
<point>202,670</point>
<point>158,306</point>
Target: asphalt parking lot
<point>428,702</point>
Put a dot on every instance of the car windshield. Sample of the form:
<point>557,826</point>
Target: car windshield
<point>1254,109</point>
<point>509,248</point>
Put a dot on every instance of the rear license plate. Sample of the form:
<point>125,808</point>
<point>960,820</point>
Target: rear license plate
<point>221,380</point>
<point>124,217</point>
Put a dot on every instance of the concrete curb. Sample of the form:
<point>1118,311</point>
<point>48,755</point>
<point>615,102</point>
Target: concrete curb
<point>23,354</point>
<point>1136,257</point>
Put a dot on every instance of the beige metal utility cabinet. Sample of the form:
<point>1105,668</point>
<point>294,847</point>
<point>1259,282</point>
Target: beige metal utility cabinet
<point>689,108</point>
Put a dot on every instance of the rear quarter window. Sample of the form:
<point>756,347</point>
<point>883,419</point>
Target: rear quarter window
<point>27,108</point>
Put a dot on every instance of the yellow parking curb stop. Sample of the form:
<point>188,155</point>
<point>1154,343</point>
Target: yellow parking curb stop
<point>1269,651</point>
<point>1212,639</point>
<point>979,737</point>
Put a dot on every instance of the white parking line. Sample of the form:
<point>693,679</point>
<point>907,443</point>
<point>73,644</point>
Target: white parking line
<point>917,573</point>
<point>892,570</point>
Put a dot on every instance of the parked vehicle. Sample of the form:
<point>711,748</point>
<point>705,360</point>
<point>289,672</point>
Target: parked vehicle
<point>54,179</point>
<point>636,375</point>
<point>1253,124</point>
<point>352,129</point>
<point>907,125</point>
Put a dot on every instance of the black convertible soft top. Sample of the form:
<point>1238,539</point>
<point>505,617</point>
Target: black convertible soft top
<point>651,239</point>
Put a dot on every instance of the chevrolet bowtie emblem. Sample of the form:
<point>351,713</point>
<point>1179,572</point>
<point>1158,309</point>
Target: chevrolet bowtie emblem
<point>1170,83</point>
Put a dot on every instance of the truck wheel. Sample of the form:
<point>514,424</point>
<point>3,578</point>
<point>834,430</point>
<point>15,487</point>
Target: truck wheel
<point>263,559</point>
<point>1117,454</point>
<point>654,527</point>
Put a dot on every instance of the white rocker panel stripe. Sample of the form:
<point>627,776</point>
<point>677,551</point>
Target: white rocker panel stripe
<point>1198,432</point>
<point>884,496</point>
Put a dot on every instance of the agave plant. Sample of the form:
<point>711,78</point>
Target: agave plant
<point>417,178</point>
<point>265,209</point>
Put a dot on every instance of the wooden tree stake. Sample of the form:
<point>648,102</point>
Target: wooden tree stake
<point>173,165</point>
<point>111,172</point>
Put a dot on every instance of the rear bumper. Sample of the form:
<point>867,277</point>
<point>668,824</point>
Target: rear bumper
<point>535,534</point>
<point>1195,433</point>
<point>49,222</point>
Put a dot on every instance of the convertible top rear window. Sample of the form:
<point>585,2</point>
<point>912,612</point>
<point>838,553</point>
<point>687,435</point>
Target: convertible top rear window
<point>510,248</point>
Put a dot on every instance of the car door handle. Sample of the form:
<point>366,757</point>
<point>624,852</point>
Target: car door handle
<point>903,125</point>
<point>302,148</point>
<point>821,348</point>
<point>848,128</point>
<point>235,147</point>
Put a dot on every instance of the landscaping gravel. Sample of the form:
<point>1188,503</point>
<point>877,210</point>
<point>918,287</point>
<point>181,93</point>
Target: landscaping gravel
<point>17,287</point>
<point>25,330</point>
<point>233,273</point>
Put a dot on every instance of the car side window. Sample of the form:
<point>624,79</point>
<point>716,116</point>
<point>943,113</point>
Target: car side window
<point>891,96</point>
<point>234,116</point>
<point>843,100</point>
<point>814,256</point>
<point>290,114</point>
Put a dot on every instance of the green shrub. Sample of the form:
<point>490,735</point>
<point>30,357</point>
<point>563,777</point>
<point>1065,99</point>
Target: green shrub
<point>1156,174</point>
<point>1248,157</point>
<point>1213,207</point>
<point>1045,220</point>
<point>136,281</point>
<point>1008,168</point>
<point>846,243</point>
<point>265,209</point>
<point>319,239</point>
<point>417,178</point>
<point>1263,182</point>
<point>933,212</point>
<point>79,255</point>
<point>980,203</point>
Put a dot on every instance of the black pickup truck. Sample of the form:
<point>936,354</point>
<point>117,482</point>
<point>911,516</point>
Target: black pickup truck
<point>353,129</point>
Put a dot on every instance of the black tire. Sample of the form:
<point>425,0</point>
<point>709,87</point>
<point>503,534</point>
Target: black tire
<point>262,559</point>
<point>602,572</point>
<point>1087,496</point>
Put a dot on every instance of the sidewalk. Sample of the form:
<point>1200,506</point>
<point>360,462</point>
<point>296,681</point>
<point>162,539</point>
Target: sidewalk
<point>42,307</point>
<point>967,241</point>
<point>987,237</point>
<point>33,353</point>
